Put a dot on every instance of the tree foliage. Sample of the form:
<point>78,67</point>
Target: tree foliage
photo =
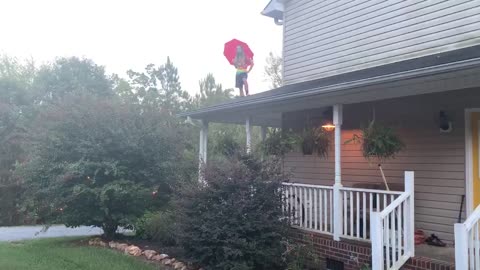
<point>97,162</point>
<point>71,76</point>
<point>160,88</point>
<point>211,93</point>
<point>273,70</point>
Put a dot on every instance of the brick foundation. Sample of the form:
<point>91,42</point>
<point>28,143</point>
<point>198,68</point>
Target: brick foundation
<point>355,254</point>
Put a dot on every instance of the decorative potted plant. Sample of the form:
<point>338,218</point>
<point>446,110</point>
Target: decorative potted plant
<point>315,140</point>
<point>379,143</point>
<point>308,141</point>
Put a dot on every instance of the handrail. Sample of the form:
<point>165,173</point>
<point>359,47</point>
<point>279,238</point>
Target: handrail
<point>396,203</point>
<point>306,185</point>
<point>472,219</point>
<point>380,191</point>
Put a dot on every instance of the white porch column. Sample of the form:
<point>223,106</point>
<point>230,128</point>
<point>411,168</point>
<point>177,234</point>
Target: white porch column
<point>202,153</point>
<point>249,136</point>
<point>337,195</point>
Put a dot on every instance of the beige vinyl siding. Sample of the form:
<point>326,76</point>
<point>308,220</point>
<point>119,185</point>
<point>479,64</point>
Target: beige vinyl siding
<point>323,38</point>
<point>438,159</point>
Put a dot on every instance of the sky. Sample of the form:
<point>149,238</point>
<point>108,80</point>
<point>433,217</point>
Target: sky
<point>129,34</point>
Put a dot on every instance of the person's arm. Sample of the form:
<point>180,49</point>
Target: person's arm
<point>251,65</point>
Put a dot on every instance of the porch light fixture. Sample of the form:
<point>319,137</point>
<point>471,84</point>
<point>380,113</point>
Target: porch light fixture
<point>328,127</point>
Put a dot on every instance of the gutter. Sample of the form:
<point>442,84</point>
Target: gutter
<point>416,73</point>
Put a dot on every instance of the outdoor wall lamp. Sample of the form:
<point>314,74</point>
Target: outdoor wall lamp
<point>445,123</point>
<point>328,127</point>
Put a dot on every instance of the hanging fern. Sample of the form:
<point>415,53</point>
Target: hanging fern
<point>378,142</point>
<point>315,140</point>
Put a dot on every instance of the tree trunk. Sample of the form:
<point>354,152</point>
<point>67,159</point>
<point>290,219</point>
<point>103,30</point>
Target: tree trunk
<point>109,230</point>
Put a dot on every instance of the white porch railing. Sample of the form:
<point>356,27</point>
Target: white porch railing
<point>309,206</point>
<point>386,218</point>
<point>392,230</point>
<point>467,243</point>
<point>357,206</point>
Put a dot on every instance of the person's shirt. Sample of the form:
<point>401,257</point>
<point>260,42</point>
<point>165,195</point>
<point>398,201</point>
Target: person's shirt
<point>242,66</point>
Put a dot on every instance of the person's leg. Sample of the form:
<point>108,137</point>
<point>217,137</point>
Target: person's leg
<point>245,82</point>
<point>239,83</point>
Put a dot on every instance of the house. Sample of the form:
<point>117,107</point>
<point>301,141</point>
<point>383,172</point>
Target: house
<point>413,66</point>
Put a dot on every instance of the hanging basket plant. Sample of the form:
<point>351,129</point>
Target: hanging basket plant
<point>379,143</point>
<point>315,140</point>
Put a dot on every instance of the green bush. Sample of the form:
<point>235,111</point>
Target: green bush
<point>234,220</point>
<point>157,226</point>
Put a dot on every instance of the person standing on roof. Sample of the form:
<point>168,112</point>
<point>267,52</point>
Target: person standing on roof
<point>244,65</point>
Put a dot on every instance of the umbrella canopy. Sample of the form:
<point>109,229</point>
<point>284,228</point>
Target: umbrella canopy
<point>230,50</point>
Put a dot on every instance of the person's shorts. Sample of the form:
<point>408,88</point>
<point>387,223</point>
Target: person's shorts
<point>239,79</point>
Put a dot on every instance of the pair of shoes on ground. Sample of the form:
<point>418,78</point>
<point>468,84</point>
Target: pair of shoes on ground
<point>433,240</point>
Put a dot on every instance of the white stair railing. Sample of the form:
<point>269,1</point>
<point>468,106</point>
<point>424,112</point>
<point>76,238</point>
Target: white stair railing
<point>309,206</point>
<point>467,243</point>
<point>356,206</point>
<point>392,230</point>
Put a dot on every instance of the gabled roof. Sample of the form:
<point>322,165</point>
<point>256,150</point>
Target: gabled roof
<point>274,9</point>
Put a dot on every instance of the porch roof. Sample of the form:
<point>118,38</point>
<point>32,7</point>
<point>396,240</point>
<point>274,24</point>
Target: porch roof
<point>452,70</point>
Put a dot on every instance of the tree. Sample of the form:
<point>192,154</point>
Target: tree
<point>160,88</point>
<point>15,107</point>
<point>97,161</point>
<point>273,70</point>
<point>71,75</point>
<point>211,93</point>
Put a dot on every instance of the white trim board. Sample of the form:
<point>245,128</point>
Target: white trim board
<point>468,160</point>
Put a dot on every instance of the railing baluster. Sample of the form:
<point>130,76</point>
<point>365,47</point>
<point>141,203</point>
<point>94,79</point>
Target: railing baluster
<point>291,200</point>
<point>331,211</point>
<point>310,207</point>
<point>320,208</point>
<point>387,239</point>
<point>393,236</point>
<point>370,198</point>
<point>351,213</point>
<point>358,214</point>
<point>385,201</point>
<point>325,219</point>
<point>315,207</point>
<point>477,247</point>
<point>377,203</point>
<point>345,219</point>
<point>470,249</point>
<point>364,212</point>
<point>302,207</point>
<point>405,224</point>
<point>399,226</point>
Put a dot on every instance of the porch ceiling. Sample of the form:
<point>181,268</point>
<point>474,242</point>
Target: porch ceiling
<point>266,108</point>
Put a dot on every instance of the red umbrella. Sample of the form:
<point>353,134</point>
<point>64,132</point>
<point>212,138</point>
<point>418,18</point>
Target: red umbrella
<point>230,50</point>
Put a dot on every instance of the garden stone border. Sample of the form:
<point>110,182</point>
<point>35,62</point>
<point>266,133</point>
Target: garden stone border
<point>149,254</point>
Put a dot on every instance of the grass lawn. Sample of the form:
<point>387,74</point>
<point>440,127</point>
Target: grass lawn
<point>65,254</point>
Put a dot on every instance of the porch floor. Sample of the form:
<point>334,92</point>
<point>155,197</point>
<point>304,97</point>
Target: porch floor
<point>443,254</point>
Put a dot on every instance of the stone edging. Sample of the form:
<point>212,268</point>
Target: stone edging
<point>135,251</point>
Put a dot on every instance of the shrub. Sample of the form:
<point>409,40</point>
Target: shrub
<point>157,226</point>
<point>234,220</point>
